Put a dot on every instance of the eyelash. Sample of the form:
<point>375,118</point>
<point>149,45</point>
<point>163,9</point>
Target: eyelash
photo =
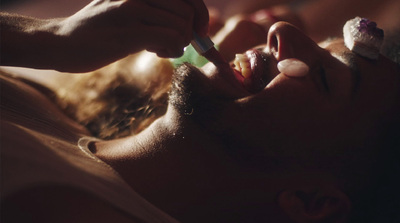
<point>324,81</point>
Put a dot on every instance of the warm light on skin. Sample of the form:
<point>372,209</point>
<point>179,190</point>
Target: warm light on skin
<point>143,62</point>
<point>277,127</point>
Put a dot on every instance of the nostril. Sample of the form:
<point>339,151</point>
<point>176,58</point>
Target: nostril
<point>274,45</point>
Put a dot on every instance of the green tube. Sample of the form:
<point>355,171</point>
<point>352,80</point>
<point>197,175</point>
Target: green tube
<point>190,56</point>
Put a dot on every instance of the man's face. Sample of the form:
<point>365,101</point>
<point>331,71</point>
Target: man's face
<point>336,105</point>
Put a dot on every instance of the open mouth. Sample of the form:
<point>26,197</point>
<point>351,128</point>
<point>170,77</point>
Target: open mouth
<point>252,70</point>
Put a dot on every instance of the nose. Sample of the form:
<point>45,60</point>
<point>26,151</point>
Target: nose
<point>286,41</point>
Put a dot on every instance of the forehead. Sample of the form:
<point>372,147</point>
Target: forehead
<point>337,49</point>
<point>358,64</point>
<point>379,79</point>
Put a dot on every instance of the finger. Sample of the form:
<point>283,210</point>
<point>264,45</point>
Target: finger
<point>160,52</point>
<point>153,15</point>
<point>201,17</point>
<point>165,42</point>
<point>161,18</point>
<point>177,7</point>
<point>149,15</point>
<point>165,53</point>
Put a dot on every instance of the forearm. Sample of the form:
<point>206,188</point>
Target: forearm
<point>100,33</point>
<point>28,42</point>
<point>57,44</point>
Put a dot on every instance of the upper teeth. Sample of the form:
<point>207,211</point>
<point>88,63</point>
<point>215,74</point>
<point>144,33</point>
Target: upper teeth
<point>242,64</point>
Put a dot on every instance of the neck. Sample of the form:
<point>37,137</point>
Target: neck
<point>173,167</point>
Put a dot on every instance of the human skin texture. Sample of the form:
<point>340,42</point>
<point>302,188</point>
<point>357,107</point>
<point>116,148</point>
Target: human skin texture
<point>221,138</point>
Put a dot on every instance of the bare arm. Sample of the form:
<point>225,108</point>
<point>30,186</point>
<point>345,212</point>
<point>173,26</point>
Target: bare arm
<point>100,33</point>
<point>21,41</point>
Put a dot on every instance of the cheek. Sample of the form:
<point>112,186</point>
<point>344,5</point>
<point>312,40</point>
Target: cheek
<point>283,113</point>
<point>292,94</point>
<point>286,109</point>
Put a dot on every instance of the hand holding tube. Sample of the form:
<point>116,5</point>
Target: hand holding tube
<point>100,33</point>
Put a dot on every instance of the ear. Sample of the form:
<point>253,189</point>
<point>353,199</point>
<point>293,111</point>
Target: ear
<point>323,204</point>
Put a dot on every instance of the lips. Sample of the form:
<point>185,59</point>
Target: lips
<point>252,70</point>
<point>228,81</point>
